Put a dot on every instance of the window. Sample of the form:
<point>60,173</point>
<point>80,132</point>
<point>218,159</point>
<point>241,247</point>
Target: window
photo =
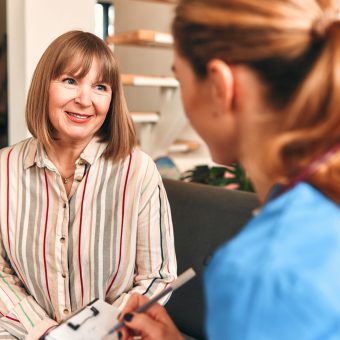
<point>104,18</point>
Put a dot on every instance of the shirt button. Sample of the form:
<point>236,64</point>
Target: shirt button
<point>78,178</point>
<point>66,311</point>
<point>81,162</point>
<point>62,239</point>
<point>63,275</point>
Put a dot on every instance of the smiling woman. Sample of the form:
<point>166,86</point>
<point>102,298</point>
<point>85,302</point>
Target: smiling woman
<point>90,208</point>
<point>78,106</point>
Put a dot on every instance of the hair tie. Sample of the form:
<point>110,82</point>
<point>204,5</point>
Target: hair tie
<point>322,24</point>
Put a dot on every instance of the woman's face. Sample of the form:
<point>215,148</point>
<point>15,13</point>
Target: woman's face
<point>78,107</point>
<point>200,107</point>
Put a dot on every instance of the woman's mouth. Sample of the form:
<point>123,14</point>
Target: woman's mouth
<point>78,117</point>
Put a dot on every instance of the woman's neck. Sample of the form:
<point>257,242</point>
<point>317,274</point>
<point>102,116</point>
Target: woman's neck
<point>64,155</point>
<point>253,159</point>
<point>262,184</point>
<point>256,128</point>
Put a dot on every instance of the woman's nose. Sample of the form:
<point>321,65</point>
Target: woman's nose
<point>83,96</point>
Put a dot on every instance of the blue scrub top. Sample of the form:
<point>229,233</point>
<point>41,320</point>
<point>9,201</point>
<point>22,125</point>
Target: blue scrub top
<point>279,278</point>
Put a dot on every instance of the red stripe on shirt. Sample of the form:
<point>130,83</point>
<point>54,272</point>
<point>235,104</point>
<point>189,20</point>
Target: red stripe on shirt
<point>79,240</point>
<point>122,225</point>
<point>10,318</point>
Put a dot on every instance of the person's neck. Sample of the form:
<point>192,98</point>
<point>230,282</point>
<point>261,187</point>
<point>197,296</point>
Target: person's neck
<point>262,184</point>
<point>64,154</point>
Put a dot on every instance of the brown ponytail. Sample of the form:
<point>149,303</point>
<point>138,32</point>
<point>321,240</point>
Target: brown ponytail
<point>297,60</point>
<point>312,123</point>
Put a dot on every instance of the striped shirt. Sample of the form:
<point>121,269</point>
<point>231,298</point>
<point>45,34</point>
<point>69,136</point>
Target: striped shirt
<point>111,237</point>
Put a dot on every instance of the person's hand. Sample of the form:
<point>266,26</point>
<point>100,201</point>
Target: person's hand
<point>153,324</point>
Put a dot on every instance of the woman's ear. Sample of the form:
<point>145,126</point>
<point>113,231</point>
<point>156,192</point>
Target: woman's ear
<point>221,80</point>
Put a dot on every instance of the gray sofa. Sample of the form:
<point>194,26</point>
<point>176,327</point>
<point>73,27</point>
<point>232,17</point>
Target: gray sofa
<point>204,217</point>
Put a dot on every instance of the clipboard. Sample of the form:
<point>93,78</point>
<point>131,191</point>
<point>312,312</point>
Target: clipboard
<point>91,322</point>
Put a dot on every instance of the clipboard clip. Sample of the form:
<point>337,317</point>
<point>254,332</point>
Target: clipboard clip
<point>94,313</point>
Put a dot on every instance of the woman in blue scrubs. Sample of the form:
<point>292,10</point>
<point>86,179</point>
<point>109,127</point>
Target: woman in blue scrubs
<point>260,82</point>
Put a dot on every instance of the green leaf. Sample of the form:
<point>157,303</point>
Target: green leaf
<point>217,176</point>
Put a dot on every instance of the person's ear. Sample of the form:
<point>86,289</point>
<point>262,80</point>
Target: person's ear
<point>221,80</point>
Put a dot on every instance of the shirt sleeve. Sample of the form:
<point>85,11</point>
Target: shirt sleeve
<point>156,265</point>
<point>4,334</point>
<point>266,304</point>
<point>20,314</point>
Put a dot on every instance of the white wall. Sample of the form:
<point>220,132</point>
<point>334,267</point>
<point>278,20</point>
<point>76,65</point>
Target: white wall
<point>31,27</point>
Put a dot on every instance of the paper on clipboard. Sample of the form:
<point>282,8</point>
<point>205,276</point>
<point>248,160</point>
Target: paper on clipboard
<point>92,322</point>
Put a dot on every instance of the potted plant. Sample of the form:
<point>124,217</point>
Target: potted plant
<point>232,176</point>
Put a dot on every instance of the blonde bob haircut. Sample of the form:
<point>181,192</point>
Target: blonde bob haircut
<point>73,53</point>
<point>298,63</point>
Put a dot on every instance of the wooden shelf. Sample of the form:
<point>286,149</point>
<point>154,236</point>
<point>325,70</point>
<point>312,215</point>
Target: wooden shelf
<point>141,38</point>
<point>153,81</point>
<point>183,146</point>
<point>145,117</point>
<point>164,1</point>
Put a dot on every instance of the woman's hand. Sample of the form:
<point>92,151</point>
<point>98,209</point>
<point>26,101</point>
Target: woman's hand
<point>153,324</point>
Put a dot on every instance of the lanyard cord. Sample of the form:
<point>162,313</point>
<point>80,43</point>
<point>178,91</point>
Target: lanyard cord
<point>309,169</point>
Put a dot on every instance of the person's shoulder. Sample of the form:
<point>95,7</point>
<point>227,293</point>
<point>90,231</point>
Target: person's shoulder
<point>306,220</point>
<point>27,143</point>
<point>251,303</point>
<point>138,154</point>
<point>140,161</point>
<point>287,233</point>
<point>300,199</point>
<point>283,264</point>
<point>139,166</point>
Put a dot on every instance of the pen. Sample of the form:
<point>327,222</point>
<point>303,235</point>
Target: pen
<point>180,281</point>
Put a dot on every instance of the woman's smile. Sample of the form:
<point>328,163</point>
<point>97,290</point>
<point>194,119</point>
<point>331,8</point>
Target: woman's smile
<point>77,117</point>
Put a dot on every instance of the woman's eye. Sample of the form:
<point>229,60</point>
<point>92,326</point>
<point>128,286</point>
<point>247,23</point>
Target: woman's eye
<point>69,81</point>
<point>101,87</point>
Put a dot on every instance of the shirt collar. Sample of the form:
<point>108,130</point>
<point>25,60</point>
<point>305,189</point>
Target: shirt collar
<point>36,154</point>
<point>93,150</point>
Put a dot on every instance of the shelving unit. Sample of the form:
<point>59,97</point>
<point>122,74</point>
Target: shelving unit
<point>145,117</point>
<point>183,146</point>
<point>157,131</point>
<point>153,81</point>
<point>164,1</point>
<point>142,38</point>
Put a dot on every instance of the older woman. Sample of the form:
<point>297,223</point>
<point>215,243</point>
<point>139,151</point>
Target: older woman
<point>260,82</point>
<point>83,212</point>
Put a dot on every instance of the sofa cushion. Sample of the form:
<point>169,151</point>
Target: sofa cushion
<point>204,217</point>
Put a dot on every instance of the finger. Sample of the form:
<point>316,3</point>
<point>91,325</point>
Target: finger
<point>147,327</point>
<point>126,334</point>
